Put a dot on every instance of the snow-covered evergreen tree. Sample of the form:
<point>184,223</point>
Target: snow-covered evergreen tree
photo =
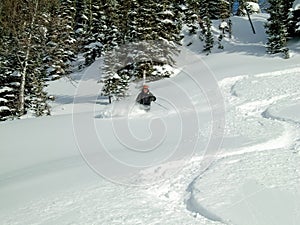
<point>9,80</point>
<point>214,9</point>
<point>23,56</point>
<point>32,53</point>
<point>277,28</point>
<point>225,9</point>
<point>155,33</point>
<point>205,15</point>
<point>148,39</point>
<point>191,15</point>
<point>93,42</point>
<point>169,25</point>
<point>114,35</point>
<point>251,6</point>
<point>61,44</point>
<point>116,81</point>
<point>296,22</point>
<point>292,18</point>
<point>225,20</point>
<point>81,25</point>
<point>90,28</point>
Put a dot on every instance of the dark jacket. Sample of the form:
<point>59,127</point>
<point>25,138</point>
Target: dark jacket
<point>145,98</point>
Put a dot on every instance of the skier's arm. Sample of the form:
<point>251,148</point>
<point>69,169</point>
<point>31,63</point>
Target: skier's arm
<point>139,98</point>
<point>152,97</point>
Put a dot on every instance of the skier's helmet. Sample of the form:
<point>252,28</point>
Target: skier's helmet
<point>145,86</point>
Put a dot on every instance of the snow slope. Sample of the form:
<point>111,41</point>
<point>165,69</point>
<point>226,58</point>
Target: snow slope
<point>93,163</point>
<point>259,178</point>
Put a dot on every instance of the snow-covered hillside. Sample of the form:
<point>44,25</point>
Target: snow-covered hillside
<point>223,146</point>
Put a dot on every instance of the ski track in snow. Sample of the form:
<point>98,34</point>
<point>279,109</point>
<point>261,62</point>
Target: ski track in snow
<point>260,150</point>
<point>198,202</point>
<point>255,157</point>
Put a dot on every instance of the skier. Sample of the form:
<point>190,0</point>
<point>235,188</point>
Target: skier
<point>145,98</point>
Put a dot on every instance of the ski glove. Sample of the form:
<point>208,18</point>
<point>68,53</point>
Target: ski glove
<point>153,98</point>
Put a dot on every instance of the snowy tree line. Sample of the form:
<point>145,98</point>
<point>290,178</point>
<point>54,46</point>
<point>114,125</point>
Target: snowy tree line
<point>283,24</point>
<point>42,40</point>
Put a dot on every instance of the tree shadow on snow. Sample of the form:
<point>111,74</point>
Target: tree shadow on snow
<point>69,99</point>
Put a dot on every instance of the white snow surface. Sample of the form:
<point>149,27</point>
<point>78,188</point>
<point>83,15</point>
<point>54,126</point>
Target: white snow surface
<point>252,180</point>
<point>4,108</point>
<point>5,89</point>
<point>254,6</point>
<point>296,5</point>
<point>3,100</point>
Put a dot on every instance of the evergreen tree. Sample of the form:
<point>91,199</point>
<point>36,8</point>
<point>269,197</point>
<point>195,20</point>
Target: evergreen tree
<point>9,81</point>
<point>287,6</point>
<point>81,23</point>
<point>214,9</point>
<point>112,36</point>
<point>277,28</point>
<point>93,42</point>
<point>89,29</point>
<point>191,15</point>
<point>290,18</point>
<point>209,38</point>
<point>296,22</point>
<point>61,43</point>
<point>128,12</point>
<point>150,31</point>
<point>32,52</point>
<point>225,9</point>
<point>22,57</point>
<point>116,81</point>
<point>205,15</point>
<point>225,21</point>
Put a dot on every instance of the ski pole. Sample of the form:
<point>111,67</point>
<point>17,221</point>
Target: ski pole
<point>161,106</point>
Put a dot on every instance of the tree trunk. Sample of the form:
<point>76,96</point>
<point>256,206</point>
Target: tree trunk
<point>25,64</point>
<point>23,82</point>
